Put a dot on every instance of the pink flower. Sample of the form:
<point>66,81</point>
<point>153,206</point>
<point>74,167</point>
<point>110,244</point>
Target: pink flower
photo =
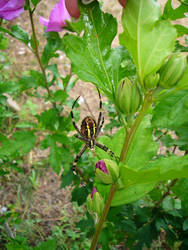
<point>10,9</point>
<point>102,166</point>
<point>58,17</point>
<point>94,190</point>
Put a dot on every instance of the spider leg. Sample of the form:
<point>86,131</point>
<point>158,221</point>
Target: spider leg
<point>107,150</point>
<point>81,138</point>
<point>99,128</point>
<point>74,167</point>
<point>72,116</point>
<point>100,115</point>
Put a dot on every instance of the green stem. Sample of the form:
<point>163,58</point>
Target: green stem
<point>103,217</point>
<point>36,51</point>
<point>130,132</point>
<point>127,142</point>
<point>1,21</point>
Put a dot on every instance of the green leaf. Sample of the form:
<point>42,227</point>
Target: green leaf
<point>182,141</point>
<point>132,193</point>
<point>47,245</point>
<point>185,224</point>
<point>144,236</point>
<point>138,183</point>
<point>10,87</point>
<point>181,30</point>
<point>26,125</point>
<point>180,190</point>
<point>142,149</point>
<point>3,41</point>
<point>17,246</point>
<point>34,79</point>
<point>168,204</point>
<point>55,156</point>
<point>80,194</point>
<point>54,69</point>
<point>20,34</point>
<point>173,14</point>
<point>35,2</point>
<point>180,47</point>
<point>59,154</point>
<point>113,143</point>
<point>20,143</point>
<point>157,170</point>
<point>148,38</point>
<point>171,112</point>
<point>102,65</point>
<point>17,32</point>
<point>54,43</point>
<point>59,96</point>
<point>67,179</point>
<point>49,119</point>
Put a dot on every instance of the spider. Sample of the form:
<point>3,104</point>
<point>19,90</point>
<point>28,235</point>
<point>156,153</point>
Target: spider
<point>89,132</point>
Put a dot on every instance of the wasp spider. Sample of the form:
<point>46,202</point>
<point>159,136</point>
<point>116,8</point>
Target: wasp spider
<point>89,132</point>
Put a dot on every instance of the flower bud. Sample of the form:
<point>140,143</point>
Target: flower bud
<point>95,203</point>
<point>128,97</point>
<point>123,3</point>
<point>172,70</point>
<point>183,82</point>
<point>72,7</point>
<point>151,81</point>
<point>107,171</point>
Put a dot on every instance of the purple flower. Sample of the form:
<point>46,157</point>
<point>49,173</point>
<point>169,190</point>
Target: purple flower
<point>58,17</point>
<point>10,9</point>
<point>102,166</point>
<point>94,190</point>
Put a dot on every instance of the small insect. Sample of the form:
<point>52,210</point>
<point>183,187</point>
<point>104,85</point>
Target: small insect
<point>89,132</point>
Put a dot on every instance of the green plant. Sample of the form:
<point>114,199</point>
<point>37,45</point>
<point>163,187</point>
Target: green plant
<point>144,192</point>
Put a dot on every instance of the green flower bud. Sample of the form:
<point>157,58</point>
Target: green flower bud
<point>107,171</point>
<point>183,82</point>
<point>95,204</point>
<point>128,97</point>
<point>172,70</point>
<point>151,81</point>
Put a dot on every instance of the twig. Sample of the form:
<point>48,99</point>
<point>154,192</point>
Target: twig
<point>157,204</point>
<point>36,51</point>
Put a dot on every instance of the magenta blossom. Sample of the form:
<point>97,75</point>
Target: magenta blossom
<point>10,9</point>
<point>102,166</point>
<point>94,190</point>
<point>58,17</point>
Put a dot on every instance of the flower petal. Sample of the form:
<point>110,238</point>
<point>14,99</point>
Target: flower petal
<point>102,166</point>
<point>57,19</point>
<point>11,9</point>
<point>43,21</point>
<point>94,190</point>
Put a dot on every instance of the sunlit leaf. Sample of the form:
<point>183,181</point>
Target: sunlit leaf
<point>172,112</point>
<point>174,13</point>
<point>148,39</point>
<point>91,55</point>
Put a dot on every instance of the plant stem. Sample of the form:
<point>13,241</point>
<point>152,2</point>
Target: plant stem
<point>127,142</point>
<point>130,132</point>
<point>166,193</point>
<point>36,51</point>
<point>103,217</point>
